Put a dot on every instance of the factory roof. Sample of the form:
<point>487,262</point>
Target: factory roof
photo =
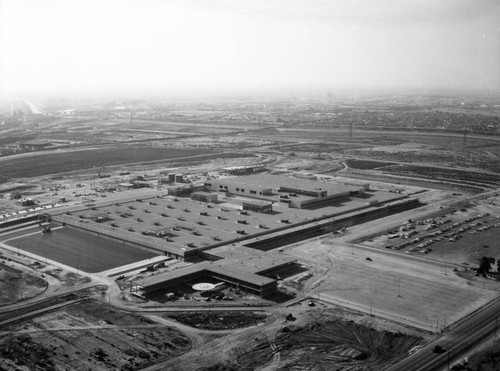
<point>248,259</point>
<point>213,267</point>
<point>277,181</point>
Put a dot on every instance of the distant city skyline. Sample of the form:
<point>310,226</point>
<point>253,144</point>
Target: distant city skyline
<point>222,46</point>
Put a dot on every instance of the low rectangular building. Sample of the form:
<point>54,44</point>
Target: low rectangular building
<point>278,187</point>
<point>254,283</point>
<point>204,196</point>
<point>258,206</point>
<point>239,187</point>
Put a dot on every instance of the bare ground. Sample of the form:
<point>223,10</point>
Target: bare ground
<point>89,336</point>
<point>18,285</point>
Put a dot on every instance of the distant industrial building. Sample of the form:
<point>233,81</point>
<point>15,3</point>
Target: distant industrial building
<point>296,192</point>
<point>245,169</point>
<point>258,206</point>
<point>204,196</point>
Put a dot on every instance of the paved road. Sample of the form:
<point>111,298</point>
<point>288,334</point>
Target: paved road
<point>456,342</point>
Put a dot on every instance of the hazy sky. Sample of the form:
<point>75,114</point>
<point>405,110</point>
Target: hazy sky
<point>52,46</point>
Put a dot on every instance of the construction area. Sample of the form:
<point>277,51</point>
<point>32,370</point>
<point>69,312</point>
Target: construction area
<point>317,337</point>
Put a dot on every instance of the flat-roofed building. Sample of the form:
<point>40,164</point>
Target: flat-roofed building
<point>239,266</point>
<point>284,189</point>
<point>258,206</point>
<point>204,196</point>
<point>256,284</point>
<point>239,186</point>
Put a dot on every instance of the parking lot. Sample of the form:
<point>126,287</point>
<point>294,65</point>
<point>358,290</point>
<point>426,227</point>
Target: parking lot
<point>458,236</point>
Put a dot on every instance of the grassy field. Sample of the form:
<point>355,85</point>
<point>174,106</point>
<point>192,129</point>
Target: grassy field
<point>81,250</point>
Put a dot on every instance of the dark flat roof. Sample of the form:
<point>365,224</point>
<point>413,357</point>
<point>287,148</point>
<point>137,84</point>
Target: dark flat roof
<point>214,267</point>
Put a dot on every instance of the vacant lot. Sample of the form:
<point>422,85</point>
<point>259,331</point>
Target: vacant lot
<point>64,161</point>
<point>315,339</point>
<point>328,346</point>
<point>80,250</point>
<point>425,295</point>
<point>89,336</point>
<point>16,285</point>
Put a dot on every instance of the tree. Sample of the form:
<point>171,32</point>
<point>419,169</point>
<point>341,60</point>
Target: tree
<point>485,265</point>
<point>16,195</point>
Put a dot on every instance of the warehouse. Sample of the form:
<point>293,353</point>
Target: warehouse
<point>240,186</point>
<point>258,285</point>
<point>258,206</point>
<point>238,266</point>
<point>204,196</point>
<point>296,192</point>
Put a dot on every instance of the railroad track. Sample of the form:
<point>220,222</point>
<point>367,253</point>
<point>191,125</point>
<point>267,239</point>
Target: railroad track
<point>31,312</point>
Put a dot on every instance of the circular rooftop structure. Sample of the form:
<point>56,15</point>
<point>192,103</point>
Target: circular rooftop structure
<point>204,286</point>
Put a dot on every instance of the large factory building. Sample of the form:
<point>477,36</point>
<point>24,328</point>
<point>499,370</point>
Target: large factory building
<point>296,192</point>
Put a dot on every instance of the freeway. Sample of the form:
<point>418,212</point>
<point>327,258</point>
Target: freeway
<point>455,342</point>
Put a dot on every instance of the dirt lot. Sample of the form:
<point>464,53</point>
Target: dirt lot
<point>81,250</point>
<point>89,336</point>
<point>17,285</point>
<point>328,346</point>
<point>322,337</point>
<point>426,295</point>
<point>57,162</point>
